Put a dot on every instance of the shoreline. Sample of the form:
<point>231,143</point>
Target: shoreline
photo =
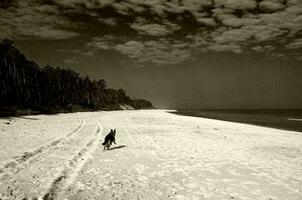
<point>289,120</point>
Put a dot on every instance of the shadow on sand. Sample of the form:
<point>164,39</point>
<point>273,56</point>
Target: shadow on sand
<point>118,147</point>
<point>30,118</point>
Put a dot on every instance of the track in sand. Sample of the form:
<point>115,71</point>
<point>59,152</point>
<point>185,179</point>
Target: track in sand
<point>50,169</point>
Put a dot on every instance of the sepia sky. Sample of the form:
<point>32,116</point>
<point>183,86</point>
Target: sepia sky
<point>189,54</point>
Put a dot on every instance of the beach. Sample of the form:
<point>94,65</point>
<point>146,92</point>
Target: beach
<point>158,155</point>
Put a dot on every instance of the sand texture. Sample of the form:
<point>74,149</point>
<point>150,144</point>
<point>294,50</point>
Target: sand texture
<point>158,155</point>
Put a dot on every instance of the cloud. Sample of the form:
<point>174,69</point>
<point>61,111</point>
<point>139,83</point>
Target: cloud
<point>131,48</point>
<point>124,7</point>
<point>271,5</point>
<point>235,48</point>
<point>258,49</point>
<point>154,29</point>
<point>266,48</point>
<point>31,20</point>
<point>47,32</point>
<point>91,4</point>
<point>160,31</point>
<point>109,21</point>
<point>237,4</point>
<point>296,44</point>
<point>104,42</point>
<point>161,52</point>
<point>231,35</point>
<point>207,21</point>
<point>238,22</point>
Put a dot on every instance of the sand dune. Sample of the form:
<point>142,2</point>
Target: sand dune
<point>158,155</point>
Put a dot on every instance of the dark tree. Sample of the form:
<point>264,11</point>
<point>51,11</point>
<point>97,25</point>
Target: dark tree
<point>24,85</point>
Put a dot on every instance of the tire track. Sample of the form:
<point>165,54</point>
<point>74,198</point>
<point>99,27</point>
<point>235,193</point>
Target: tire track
<point>71,171</point>
<point>15,164</point>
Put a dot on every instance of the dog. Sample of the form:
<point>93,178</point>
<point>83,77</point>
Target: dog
<point>109,139</point>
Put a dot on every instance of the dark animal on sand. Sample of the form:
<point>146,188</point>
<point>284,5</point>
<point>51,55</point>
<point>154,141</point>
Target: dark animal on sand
<point>109,139</point>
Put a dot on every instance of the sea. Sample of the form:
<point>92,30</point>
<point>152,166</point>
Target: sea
<point>280,119</point>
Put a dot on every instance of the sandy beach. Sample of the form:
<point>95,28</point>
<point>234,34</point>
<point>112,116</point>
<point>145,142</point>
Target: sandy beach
<point>158,155</point>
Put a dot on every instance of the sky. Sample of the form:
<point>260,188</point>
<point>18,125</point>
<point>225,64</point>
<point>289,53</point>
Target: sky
<point>179,54</point>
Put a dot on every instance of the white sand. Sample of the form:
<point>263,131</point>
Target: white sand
<point>158,155</point>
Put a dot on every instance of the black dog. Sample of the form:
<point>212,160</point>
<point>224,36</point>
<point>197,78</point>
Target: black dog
<point>109,139</point>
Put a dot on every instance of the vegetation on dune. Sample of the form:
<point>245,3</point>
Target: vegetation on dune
<point>24,85</point>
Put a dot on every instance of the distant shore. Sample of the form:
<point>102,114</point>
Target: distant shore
<point>280,119</point>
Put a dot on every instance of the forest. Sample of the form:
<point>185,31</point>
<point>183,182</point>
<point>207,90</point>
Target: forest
<point>26,88</point>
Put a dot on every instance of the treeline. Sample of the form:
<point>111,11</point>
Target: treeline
<point>24,85</point>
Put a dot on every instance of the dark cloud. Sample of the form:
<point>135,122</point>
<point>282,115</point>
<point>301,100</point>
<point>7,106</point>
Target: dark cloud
<point>154,29</point>
<point>271,5</point>
<point>160,31</point>
<point>296,44</point>
<point>29,19</point>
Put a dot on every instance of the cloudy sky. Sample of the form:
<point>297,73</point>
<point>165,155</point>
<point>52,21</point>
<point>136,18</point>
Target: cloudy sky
<point>177,53</point>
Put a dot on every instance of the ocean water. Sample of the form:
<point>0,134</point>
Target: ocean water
<point>280,119</point>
